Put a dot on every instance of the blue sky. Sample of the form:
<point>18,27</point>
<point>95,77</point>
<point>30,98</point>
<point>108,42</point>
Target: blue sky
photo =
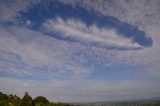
<point>80,51</point>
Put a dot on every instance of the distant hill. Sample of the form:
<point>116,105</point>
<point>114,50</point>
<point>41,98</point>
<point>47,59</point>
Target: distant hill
<point>120,104</point>
<point>155,101</point>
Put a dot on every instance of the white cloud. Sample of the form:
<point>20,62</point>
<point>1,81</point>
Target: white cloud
<point>23,50</point>
<point>145,57</point>
<point>92,35</point>
<point>81,90</point>
<point>28,22</point>
<point>134,12</point>
<point>9,10</point>
<point>144,15</point>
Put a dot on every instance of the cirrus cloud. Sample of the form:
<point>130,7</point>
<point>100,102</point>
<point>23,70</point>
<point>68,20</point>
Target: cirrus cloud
<point>78,31</point>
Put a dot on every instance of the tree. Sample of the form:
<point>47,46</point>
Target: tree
<point>27,100</point>
<point>3,99</point>
<point>41,101</point>
<point>14,100</point>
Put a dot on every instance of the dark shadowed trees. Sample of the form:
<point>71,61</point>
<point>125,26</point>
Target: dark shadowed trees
<point>3,99</point>
<point>41,101</point>
<point>27,100</point>
<point>13,100</point>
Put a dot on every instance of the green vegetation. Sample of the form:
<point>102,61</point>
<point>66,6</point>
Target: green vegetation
<point>13,100</point>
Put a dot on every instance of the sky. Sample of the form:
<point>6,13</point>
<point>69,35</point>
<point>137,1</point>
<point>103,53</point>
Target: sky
<point>80,50</point>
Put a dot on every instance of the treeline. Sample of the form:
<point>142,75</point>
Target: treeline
<point>13,100</point>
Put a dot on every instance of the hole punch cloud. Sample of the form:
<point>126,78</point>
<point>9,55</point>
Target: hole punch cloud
<point>77,24</point>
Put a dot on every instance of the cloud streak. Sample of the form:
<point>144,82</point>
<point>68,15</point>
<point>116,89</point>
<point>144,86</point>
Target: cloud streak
<point>24,54</point>
<point>77,31</point>
<point>83,90</point>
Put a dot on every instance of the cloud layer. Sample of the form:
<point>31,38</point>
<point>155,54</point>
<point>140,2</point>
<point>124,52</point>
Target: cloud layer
<point>81,90</point>
<point>24,54</point>
<point>76,61</point>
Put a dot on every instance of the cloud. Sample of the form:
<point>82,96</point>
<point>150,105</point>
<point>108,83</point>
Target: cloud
<point>83,90</point>
<point>144,15</point>
<point>28,51</point>
<point>10,10</point>
<point>88,18</point>
<point>133,12</point>
<point>27,54</point>
<point>35,56</point>
<point>78,31</point>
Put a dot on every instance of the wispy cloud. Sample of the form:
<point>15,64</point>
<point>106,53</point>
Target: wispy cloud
<point>78,31</point>
<point>24,52</point>
<point>83,90</point>
<point>143,14</point>
<point>10,10</point>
